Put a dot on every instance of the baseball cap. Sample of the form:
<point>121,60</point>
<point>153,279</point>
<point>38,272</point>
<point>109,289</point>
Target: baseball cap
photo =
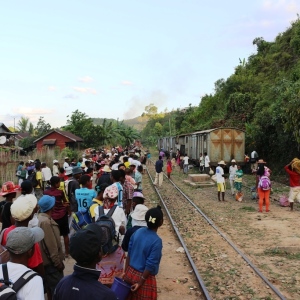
<point>46,203</point>
<point>139,212</point>
<point>86,244</point>
<point>69,170</point>
<point>23,207</point>
<point>21,239</point>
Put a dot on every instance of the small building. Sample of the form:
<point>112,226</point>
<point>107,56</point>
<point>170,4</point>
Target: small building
<point>58,138</point>
<point>7,137</point>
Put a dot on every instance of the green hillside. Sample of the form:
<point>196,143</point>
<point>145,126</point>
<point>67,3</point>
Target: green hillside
<point>262,97</point>
<point>137,123</point>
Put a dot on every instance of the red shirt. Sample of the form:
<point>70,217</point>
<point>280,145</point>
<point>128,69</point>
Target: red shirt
<point>294,177</point>
<point>36,259</point>
<point>59,210</point>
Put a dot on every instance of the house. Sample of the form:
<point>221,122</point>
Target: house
<point>8,136</point>
<point>58,138</point>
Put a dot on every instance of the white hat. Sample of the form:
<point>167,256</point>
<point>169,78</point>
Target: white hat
<point>106,169</point>
<point>139,212</point>
<point>55,161</point>
<point>222,162</point>
<point>23,207</point>
<point>233,160</point>
<point>66,157</point>
<point>69,170</point>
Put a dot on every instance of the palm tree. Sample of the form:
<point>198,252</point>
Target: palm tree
<point>24,125</point>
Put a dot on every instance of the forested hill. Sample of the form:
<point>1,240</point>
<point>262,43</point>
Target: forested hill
<point>262,97</point>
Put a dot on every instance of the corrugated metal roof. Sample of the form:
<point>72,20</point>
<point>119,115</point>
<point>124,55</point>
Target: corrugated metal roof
<point>67,134</point>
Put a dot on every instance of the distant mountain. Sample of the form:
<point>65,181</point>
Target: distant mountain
<point>138,123</point>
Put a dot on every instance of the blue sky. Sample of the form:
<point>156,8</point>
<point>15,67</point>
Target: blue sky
<point>112,58</point>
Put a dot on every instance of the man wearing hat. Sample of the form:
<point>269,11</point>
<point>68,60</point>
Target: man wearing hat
<point>72,184</point>
<point>66,163</point>
<point>85,248</point>
<point>105,177</point>
<point>51,247</point>
<point>55,168</point>
<point>20,245</point>
<point>22,211</point>
<point>220,179</point>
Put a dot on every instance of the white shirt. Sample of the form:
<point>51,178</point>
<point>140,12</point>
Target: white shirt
<point>65,165</point>
<point>232,170</point>
<point>118,216</point>
<point>206,161</point>
<point>219,173</point>
<point>135,162</point>
<point>55,170</point>
<point>31,290</point>
<point>46,173</point>
<point>186,160</point>
<point>115,166</point>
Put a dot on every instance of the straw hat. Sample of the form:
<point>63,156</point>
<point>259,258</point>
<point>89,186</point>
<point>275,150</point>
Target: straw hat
<point>222,162</point>
<point>261,161</point>
<point>106,169</point>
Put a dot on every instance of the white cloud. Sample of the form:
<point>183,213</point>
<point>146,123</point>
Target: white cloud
<point>71,96</point>
<point>52,88</point>
<point>126,82</point>
<point>86,79</point>
<point>32,111</point>
<point>85,90</point>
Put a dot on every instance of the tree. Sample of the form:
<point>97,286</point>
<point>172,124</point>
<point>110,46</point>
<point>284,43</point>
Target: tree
<point>24,125</point>
<point>42,127</point>
<point>151,109</point>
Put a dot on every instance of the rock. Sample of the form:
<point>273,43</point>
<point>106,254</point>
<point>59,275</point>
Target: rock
<point>183,279</point>
<point>180,250</point>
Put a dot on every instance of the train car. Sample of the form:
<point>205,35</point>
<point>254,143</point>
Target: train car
<point>219,143</point>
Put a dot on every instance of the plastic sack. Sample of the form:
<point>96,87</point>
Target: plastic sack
<point>284,201</point>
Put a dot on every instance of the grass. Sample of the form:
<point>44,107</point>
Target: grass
<point>282,253</point>
<point>248,208</point>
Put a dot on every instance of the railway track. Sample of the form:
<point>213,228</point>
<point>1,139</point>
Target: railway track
<point>222,270</point>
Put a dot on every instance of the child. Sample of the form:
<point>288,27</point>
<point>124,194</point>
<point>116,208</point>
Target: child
<point>238,183</point>
<point>145,247</point>
<point>169,167</point>
<point>137,198</point>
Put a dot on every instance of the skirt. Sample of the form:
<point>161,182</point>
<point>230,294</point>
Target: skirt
<point>147,291</point>
<point>111,266</point>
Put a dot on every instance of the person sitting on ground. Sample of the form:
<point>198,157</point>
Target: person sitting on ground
<point>144,255</point>
<point>22,211</point>
<point>20,244</point>
<point>83,282</point>
<point>51,247</point>
<point>137,221</point>
<point>61,210</point>
<point>9,192</point>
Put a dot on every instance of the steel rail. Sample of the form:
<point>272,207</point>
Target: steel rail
<point>195,269</point>
<point>210,222</point>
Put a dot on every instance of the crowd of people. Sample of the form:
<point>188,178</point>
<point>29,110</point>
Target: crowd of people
<point>108,186</point>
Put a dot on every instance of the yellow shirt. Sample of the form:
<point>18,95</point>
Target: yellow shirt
<point>38,177</point>
<point>95,203</point>
<point>127,164</point>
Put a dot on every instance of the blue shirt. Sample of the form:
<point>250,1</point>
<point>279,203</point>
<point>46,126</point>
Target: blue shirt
<point>84,197</point>
<point>159,166</point>
<point>138,179</point>
<point>145,250</point>
<point>83,284</point>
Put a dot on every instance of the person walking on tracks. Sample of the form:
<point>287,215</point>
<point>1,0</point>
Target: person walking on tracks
<point>159,176</point>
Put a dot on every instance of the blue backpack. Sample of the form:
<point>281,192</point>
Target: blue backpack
<point>81,219</point>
